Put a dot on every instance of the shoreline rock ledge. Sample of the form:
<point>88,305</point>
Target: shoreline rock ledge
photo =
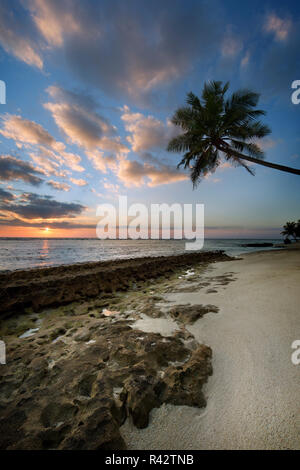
<point>54,286</point>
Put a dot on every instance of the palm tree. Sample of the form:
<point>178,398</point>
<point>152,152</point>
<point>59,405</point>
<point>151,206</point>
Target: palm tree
<point>214,127</point>
<point>289,230</point>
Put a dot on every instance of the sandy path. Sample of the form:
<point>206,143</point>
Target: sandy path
<point>253,395</point>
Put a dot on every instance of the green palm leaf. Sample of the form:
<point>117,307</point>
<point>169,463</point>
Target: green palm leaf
<point>214,127</point>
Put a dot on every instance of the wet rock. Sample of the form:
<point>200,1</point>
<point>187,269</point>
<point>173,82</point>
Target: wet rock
<point>67,398</point>
<point>140,397</point>
<point>55,413</point>
<point>11,428</point>
<point>77,392</point>
<point>98,430</point>
<point>83,335</point>
<point>51,438</point>
<point>182,384</point>
<point>44,287</point>
<point>190,313</point>
<point>57,332</point>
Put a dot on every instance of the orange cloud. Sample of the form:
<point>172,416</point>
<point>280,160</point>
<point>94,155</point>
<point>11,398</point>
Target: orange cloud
<point>76,117</point>
<point>16,39</point>
<point>78,182</point>
<point>51,153</point>
<point>279,26</point>
<point>58,185</point>
<point>133,173</point>
<point>23,130</point>
<point>146,131</point>
<point>53,22</point>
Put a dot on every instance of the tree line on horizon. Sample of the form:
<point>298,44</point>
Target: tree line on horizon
<point>291,229</point>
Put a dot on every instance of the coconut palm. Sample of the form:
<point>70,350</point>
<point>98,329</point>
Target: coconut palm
<point>290,230</point>
<point>214,126</point>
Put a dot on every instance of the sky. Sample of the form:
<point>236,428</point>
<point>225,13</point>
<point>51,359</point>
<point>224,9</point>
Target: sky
<point>91,87</point>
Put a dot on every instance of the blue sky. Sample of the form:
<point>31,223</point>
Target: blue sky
<point>92,85</point>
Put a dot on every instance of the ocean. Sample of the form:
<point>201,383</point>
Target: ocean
<point>24,253</point>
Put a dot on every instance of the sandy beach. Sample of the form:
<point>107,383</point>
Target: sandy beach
<point>253,394</point>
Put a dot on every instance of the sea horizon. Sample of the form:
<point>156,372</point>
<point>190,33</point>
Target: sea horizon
<point>27,253</point>
<point>135,239</point>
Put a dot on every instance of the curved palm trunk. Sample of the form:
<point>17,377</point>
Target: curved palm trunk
<point>288,169</point>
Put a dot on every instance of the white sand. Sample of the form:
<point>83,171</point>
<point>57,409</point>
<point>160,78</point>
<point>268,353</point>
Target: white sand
<point>253,397</point>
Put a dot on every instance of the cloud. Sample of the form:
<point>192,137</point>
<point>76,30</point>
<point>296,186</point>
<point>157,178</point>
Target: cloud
<point>102,162</point>
<point>76,116</point>
<point>231,45</point>
<point>52,21</point>
<point>45,164</point>
<point>16,35</point>
<point>64,224</point>
<point>59,186</point>
<point>245,59</point>
<point>115,188</point>
<point>128,49</point>
<point>6,196</point>
<point>276,64</point>
<point>134,173</point>
<point>267,143</point>
<point>78,182</point>
<point>280,27</point>
<point>81,124</point>
<point>51,153</point>
<point>34,206</point>
<point>12,168</point>
<point>147,132</point>
<point>23,130</point>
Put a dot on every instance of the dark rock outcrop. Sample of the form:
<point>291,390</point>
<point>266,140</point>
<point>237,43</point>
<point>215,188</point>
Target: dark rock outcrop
<point>258,245</point>
<point>44,287</point>
<point>190,313</point>
<point>75,394</point>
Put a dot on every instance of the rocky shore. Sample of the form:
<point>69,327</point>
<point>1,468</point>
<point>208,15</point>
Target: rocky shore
<point>77,371</point>
<point>44,287</point>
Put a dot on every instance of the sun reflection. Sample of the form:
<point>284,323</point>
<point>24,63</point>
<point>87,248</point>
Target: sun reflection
<point>44,253</point>
<point>45,247</point>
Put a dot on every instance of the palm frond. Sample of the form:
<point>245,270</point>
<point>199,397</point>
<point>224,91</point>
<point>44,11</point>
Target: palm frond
<point>212,124</point>
<point>194,101</point>
<point>251,148</point>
